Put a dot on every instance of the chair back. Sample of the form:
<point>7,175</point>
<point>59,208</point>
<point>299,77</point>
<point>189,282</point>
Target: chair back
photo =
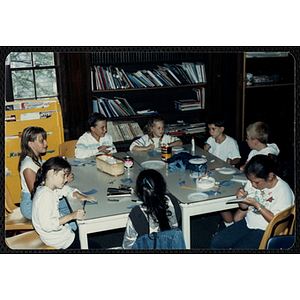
<point>67,149</point>
<point>29,240</point>
<point>280,242</point>
<point>281,224</point>
<point>9,203</point>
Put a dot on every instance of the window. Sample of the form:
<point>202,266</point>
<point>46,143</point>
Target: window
<point>30,76</point>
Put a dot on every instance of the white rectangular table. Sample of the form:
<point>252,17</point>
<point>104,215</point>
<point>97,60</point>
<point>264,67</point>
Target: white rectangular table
<point>108,215</point>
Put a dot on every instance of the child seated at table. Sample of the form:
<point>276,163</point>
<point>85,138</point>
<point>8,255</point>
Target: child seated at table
<point>95,140</point>
<point>265,195</point>
<point>225,148</point>
<point>53,228</point>
<point>155,137</point>
<point>257,137</point>
<point>161,211</point>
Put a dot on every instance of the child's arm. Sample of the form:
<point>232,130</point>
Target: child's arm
<point>233,161</point>
<point>176,143</point>
<point>143,148</point>
<point>79,213</point>
<point>29,176</point>
<point>82,197</point>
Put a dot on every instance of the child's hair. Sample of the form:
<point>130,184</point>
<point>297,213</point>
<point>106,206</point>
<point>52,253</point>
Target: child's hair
<point>217,120</point>
<point>151,188</point>
<point>93,119</point>
<point>151,123</point>
<point>259,131</point>
<point>261,166</point>
<point>30,134</point>
<point>56,163</point>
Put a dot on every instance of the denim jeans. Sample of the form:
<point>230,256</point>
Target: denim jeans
<point>237,236</point>
<point>26,203</point>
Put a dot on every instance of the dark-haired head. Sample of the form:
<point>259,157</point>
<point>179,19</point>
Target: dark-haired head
<point>151,188</point>
<point>93,119</point>
<point>56,163</point>
<point>261,166</point>
<point>217,120</point>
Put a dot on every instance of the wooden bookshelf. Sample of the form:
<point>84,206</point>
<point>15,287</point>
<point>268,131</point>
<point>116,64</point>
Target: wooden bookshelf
<point>271,103</point>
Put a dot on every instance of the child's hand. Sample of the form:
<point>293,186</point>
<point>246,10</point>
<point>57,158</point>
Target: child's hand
<point>78,214</point>
<point>70,177</point>
<point>82,198</point>
<point>150,147</point>
<point>104,149</point>
<point>240,193</point>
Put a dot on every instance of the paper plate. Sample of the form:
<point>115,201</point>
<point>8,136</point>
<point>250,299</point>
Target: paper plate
<point>153,164</point>
<point>177,149</point>
<point>197,196</point>
<point>197,161</point>
<point>227,171</point>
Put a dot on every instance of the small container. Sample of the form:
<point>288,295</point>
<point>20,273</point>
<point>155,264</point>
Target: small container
<point>128,162</point>
<point>166,152</point>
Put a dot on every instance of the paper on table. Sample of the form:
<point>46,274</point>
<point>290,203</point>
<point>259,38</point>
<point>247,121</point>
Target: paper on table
<point>236,200</point>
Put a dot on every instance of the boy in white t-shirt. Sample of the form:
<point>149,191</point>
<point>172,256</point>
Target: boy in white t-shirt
<point>225,148</point>
<point>257,137</point>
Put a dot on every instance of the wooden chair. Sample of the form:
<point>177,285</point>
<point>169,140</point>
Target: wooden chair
<point>14,219</point>
<point>68,148</point>
<point>281,224</point>
<point>29,240</point>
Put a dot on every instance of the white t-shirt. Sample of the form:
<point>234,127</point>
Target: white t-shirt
<point>270,149</point>
<point>87,145</point>
<point>227,149</point>
<point>45,217</point>
<point>145,141</point>
<point>275,199</point>
<point>27,163</point>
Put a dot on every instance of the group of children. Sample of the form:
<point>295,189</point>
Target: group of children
<point>45,185</point>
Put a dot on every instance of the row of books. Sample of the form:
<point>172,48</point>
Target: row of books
<point>192,104</point>
<point>124,131</point>
<point>112,108</point>
<point>111,78</point>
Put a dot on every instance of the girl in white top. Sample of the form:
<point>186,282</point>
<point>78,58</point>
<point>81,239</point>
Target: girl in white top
<point>155,137</point>
<point>53,228</point>
<point>96,140</point>
<point>33,146</point>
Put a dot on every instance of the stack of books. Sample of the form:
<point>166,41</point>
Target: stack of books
<point>124,131</point>
<point>187,104</point>
<point>110,78</point>
<point>112,108</point>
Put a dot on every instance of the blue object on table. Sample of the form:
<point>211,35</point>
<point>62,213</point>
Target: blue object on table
<point>130,207</point>
<point>91,203</point>
<point>91,192</point>
<point>127,180</point>
<point>226,183</point>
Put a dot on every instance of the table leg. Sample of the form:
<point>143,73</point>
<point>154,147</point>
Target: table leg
<point>186,228</point>
<point>83,237</point>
